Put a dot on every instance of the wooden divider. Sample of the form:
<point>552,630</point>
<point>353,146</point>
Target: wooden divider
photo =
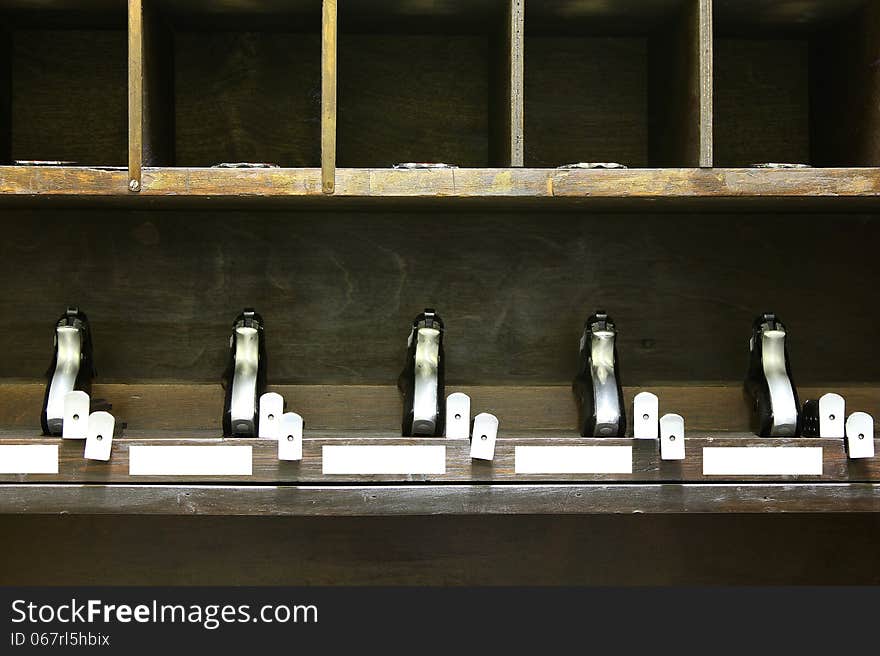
<point>506,118</point>
<point>680,91</point>
<point>329,29</point>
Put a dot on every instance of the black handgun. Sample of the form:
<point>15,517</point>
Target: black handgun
<point>597,385</point>
<point>245,377</point>
<point>422,380</point>
<point>72,367</point>
<point>769,382</point>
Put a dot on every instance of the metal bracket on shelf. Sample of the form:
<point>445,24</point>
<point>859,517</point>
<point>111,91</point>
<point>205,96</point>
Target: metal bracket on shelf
<point>99,442</point>
<point>646,412</point>
<point>290,439</point>
<point>458,415</point>
<point>671,437</point>
<point>484,434</point>
<point>75,425</point>
<point>271,409</point>
<point>860,435</point>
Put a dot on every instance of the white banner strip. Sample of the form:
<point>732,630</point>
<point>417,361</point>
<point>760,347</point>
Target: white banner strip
<point>29,459</point>
<point>377,459</point>
<point>190,461</point>
<point>573,460</point>
<point>762,461</point>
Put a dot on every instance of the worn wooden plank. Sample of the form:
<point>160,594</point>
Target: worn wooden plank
<point>135,93</point>
<point>438,550</point>
<point>328,96</point>
<point>506,101</point>
<point>725,188</point>
<point>646,464</point>
<point>187,407</point>
<point>158,100</point>
<point>677,87</point>
<point>415,500</point>
<point>706,66</point>
<point>339,293</point>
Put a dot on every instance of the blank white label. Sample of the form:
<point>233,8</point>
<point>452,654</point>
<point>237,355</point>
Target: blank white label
<point>573,460</point>
<point>762,461</point>
<point>397,459</point>
<point>29,459</point>
<point>190,461</point>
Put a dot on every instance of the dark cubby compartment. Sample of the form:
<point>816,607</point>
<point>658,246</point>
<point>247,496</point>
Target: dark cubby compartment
<point>422,82</point>
<point>232,83</point>
<point>613,82</point>
<point>797,83</point>
<point>63,82</point>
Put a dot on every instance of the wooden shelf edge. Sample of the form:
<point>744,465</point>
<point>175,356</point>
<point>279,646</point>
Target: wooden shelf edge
<point>628,461</point>
<point>414,500</point>
<point>687,184</point>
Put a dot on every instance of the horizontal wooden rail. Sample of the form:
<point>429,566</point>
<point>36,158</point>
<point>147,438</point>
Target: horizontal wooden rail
<point>413,500</point>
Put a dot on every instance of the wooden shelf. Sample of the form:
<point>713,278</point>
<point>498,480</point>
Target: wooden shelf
<point>415,500</point>
<point>647,467</point>
<point>630,82</point>
<point>841,189</point>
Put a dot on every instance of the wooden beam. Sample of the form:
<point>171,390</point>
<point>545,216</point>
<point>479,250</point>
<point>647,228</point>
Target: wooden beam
<point>643,463</point>
<point>135,93</point>
<point>328,96</point>
<point>415,500</point>
<point>506,112</point>
<point>706,83</point>
<point>680,89</point>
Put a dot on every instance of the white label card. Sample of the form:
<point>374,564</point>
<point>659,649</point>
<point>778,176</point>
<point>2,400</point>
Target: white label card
<point>190,461</point>
<point>29,459</point>
<point>762,461</point>
<point>573,460</point>
<point>395,459</point>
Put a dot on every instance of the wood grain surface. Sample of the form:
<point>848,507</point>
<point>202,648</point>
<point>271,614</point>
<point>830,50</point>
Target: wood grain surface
<point>247,97</point>
<point>338,292</point>
<point>69,96</point>
<point>845,96</point>
<point>586,100</point>
<point>425,98</point>
<point>762,101</point>
<point>486,550</point>
<point>188,407</point>
<point>647,467</point>
<point>655,191</point>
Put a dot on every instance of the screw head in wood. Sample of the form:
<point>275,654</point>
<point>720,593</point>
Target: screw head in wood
<point>134,185</point>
